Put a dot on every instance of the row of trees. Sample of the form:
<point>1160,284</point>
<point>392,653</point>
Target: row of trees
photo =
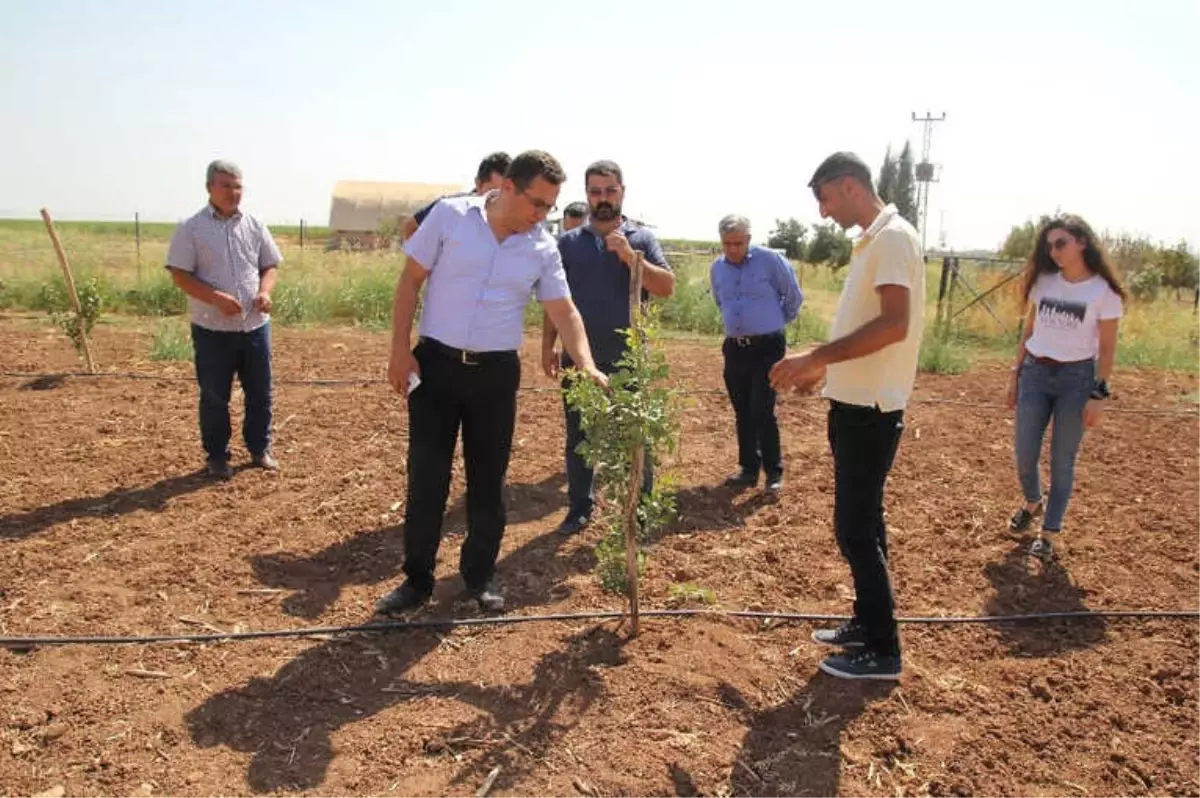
<point>1145,267</point>
<point>897,184</point>
<point>829,243</point>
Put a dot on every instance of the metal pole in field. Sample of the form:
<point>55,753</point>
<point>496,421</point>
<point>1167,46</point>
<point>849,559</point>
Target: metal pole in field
<point>137,238</point>
<point>942,292</point>
<point>926,171</point>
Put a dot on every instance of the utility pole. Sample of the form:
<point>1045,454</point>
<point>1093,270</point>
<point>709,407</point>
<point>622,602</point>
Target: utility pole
<point>926,172</point>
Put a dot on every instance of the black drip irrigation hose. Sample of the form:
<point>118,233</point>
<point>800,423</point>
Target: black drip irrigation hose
<point>21,643</point>
<point>349,381</point>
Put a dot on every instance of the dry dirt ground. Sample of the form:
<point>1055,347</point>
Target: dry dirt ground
<point>106,527</point>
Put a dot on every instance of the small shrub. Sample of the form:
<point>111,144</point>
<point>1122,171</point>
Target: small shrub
<point>171,342</point>
<point>368,301</point>
<point>294,303</point>
<point>91,305</point>
<point>637,408</point>
<point>690,591</point>
<point>1146,284</point>
<point>807,328</point>
<point>156,296</point>
<point>940,356</point>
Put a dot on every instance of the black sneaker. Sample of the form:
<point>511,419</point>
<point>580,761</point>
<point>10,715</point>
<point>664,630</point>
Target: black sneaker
<point>1042,549</point>
<point>487,597</point>
<point>573,524</point>
<point>775,481</point>
<point>220,469</point>
<point>862,665</point>
<point>848,635</point>
<point>1022,518</point>
<point>742,479</point>
<point>402,599</point>
<point>266,461</point>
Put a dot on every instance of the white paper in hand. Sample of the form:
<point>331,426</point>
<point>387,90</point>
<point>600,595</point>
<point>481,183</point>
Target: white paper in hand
<point>413,381</point>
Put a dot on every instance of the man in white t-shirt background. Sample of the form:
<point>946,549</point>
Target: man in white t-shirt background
<point>869,366</point>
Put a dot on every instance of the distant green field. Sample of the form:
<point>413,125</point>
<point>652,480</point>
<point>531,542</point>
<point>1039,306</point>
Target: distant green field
<point>319,287</point>
<point>150,230</point>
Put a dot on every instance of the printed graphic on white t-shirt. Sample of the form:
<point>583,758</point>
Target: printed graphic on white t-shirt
<point>1061,314</point>
<point>1066,326</point>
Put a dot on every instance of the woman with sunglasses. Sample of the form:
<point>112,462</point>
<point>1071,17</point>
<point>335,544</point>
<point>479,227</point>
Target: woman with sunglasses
<point>1063,364</point>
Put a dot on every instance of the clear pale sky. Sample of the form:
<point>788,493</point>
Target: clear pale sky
<point>114,107</point>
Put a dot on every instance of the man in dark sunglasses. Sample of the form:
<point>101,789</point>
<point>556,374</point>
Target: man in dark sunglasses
<point>597,258</point>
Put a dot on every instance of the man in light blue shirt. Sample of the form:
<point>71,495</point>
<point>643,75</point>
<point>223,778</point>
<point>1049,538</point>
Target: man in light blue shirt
<point>758,295</point>
<point>482,258</point>
<point>226,261</point>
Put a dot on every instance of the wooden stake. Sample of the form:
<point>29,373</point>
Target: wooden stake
<point>62,260</point>
<point>637,460</point>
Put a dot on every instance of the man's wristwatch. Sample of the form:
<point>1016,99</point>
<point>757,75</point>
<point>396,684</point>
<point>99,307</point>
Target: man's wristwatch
<point>1100,389</point>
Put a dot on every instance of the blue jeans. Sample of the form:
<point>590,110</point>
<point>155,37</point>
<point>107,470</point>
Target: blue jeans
<point>219,356</point>
<point>1048,391</point>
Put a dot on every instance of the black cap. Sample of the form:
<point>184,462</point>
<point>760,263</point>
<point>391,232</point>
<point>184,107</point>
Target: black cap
<point>840,164</point>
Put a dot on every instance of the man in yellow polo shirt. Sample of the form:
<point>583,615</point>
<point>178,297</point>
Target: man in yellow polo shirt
<point>869,366</point>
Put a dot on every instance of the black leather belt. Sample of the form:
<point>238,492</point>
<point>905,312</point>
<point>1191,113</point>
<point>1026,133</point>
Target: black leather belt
<point>467,357</point>
<point>750,340</point>
<point>1049,361</point>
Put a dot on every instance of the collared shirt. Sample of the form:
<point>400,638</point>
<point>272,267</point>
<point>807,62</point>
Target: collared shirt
<point>889,253</point>
<point>760,295</point>
<point>423,212</point>
<point>599,282</point>
<point>478,287</point>
<point>228,255</point>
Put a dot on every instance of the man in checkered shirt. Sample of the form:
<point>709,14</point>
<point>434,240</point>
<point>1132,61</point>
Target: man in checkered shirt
<point>226,261</point>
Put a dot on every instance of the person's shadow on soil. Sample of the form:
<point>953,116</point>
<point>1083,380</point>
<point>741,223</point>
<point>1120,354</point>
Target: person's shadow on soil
<point>794,748</point>
<point>1025,586</point>
<point>374,556</point>
<point>715,509</point>
<point>526,722</point>
<point>286,721</point>
<point>121,501</point>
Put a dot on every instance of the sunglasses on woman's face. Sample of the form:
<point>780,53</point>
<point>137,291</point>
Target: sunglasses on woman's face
<point>1059,243</point>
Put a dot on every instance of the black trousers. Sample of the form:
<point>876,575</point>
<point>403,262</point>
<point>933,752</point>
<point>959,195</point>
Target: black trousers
<point>481,397</point>
<point>864,442</point>
<point>748,364</point>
